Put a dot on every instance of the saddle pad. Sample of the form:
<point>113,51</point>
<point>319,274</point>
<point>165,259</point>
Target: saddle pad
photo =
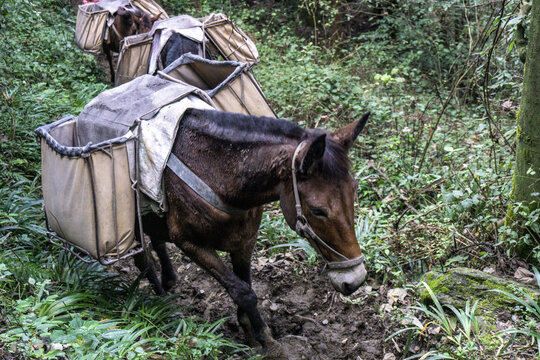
<point>158,105</point>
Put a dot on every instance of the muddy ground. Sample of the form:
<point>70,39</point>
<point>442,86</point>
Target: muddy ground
<point>305,313</point>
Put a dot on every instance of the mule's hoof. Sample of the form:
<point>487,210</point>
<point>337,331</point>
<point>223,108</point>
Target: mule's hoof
<point>169,282</point>
<point>160,291</point>
<point>276,352</point>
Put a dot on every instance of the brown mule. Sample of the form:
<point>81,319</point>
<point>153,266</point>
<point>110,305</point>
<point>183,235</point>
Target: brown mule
<point>249,161</point>
<point>126,23</point>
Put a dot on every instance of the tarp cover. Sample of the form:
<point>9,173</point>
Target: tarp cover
<point>156,102</point>
<point>162,30</point>
<point>88,163</point>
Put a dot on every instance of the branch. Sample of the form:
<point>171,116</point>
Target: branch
<point>485,99</point>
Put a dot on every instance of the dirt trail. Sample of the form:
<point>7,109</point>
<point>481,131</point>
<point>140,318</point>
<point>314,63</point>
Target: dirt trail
<point>306,315</point>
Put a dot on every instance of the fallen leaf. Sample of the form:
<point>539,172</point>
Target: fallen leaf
<point>395,295</point>
<point>525,276</point>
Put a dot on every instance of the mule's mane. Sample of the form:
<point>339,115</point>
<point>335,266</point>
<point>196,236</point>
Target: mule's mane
<point>335,163</point>
<point>247,129</point>
<point>238,128</point>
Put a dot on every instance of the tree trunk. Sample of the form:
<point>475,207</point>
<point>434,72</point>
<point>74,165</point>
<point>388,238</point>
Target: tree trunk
<point>526,187</point>
<point>527,171</point>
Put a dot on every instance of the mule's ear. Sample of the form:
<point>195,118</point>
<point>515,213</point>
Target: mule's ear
<point>347,134</point>
<point>312,154</point>
<point>155,18</point>
<point>123,12</point>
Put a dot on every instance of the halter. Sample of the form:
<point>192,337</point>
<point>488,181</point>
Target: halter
<point>305,230</point>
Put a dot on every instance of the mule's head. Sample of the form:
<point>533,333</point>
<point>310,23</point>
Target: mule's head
<point>124,23</point>
<point>326,194</point>
<point>144,21</point>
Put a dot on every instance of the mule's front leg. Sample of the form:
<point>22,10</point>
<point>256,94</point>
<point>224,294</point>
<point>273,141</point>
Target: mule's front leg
<point>241,267</point>
<point>241,293</point>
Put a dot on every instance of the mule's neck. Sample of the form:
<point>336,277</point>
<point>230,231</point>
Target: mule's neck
<point>244,173</point>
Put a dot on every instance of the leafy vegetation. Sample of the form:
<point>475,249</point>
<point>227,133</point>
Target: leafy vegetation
<point>434,163</point>
<point>452,332</point>
<point>462,336</point>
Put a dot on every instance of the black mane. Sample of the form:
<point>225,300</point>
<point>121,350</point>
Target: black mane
<point>239,128</point>
<point>335,163</point>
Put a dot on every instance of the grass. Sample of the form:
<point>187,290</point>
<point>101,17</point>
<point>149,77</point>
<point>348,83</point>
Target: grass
<point>532,313</point>
<point>459,332</point>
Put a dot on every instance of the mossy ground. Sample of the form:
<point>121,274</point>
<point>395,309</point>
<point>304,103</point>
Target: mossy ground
<point>460,285</point>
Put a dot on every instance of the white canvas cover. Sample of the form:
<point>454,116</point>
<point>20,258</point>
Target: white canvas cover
<point>162,30</point>
<point>160,105</point>
<point>232,43</point>
<point>112,5</point>
<point>229,83</point>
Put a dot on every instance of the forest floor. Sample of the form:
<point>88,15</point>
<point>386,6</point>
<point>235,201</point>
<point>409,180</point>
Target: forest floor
<point>306,315</point>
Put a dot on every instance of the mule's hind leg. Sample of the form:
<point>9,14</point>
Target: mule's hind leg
<point>108,53</point>
<point>156,228</point>
<point>146,265</point>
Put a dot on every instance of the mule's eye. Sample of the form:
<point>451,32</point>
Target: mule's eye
<point>318,212</point>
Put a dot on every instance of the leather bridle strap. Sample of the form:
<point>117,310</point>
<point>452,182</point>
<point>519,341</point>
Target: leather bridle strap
<point>305,230</point>
<point>120,37</point>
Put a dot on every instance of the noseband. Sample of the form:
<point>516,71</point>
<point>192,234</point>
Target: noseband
<point>305,230</point>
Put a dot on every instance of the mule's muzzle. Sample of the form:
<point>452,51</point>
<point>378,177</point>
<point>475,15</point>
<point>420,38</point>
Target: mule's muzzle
<point>347,281</point>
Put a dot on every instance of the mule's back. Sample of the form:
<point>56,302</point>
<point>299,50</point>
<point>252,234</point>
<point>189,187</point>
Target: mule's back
<point>176,46</point>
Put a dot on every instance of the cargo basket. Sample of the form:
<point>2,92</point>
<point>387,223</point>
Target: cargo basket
<point>90,201</point>
<point>230,41</point>
<point>94,20</point>
<point>90,27</point>
<point>150,7</point>
<point>134,58</point>
<point>229,83</point>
